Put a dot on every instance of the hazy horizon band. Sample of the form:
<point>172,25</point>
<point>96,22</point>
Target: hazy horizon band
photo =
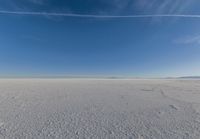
<point>98,16</point>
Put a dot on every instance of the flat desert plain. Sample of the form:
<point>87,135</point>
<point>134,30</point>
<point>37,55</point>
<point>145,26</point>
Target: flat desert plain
<point>99,109</point>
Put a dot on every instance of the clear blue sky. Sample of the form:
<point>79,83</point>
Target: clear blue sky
<point>139,47</point>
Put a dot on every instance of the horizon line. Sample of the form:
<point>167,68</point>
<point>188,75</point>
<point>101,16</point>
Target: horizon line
<point>98,77</point>
<point>98,16</point>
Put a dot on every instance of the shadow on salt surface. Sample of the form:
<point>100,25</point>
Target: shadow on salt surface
<point>173,107</point>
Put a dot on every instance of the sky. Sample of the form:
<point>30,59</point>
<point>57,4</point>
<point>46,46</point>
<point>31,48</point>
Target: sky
<point>49,42</point>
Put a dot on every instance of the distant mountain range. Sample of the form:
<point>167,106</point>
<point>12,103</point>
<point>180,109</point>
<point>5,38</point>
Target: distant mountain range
<point>190,77</point>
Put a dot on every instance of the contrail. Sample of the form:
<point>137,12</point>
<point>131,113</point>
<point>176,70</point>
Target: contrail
<point>98,16</point>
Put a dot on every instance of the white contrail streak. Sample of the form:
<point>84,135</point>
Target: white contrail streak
<point>98,16</point>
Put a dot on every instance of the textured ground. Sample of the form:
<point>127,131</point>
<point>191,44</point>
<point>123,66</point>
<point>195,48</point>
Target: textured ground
<point>97,108</point>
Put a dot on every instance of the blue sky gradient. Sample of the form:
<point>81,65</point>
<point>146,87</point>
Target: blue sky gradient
<point>132,47</point>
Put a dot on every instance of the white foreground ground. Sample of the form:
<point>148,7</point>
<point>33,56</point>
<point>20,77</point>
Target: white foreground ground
<point>99,109</point>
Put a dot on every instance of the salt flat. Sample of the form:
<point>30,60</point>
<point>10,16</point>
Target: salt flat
<point>99,109</point>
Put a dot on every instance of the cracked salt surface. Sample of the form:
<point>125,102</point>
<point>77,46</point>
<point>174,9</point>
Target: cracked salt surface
<point>99,108</point>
